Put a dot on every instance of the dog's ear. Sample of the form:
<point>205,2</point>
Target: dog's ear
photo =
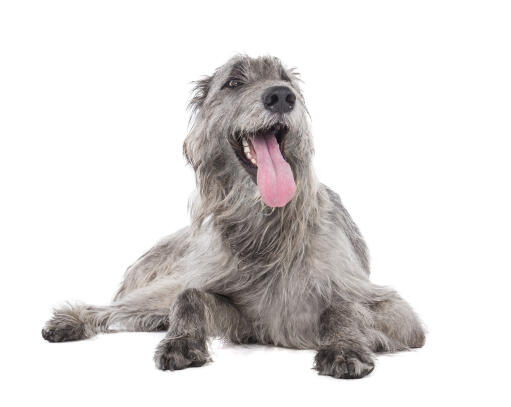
<point>200,92</point>
<point>188,153</point>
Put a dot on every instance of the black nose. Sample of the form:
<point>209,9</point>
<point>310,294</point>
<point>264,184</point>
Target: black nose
<point>279,99</point>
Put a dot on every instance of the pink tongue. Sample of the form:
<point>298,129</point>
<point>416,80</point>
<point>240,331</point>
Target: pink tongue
<point>274,176</point>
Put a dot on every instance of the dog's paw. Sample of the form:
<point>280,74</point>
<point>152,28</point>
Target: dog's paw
<point>66,325</point>
<point>58,331</point>
<point>180,353</point>
<point>343,364</point>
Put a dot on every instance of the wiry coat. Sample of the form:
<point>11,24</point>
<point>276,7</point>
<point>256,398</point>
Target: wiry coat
<point>296,276</point>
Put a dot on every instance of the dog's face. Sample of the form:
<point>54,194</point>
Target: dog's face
<point>251,123</point>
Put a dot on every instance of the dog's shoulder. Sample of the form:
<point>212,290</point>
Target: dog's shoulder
<point>349,226</point>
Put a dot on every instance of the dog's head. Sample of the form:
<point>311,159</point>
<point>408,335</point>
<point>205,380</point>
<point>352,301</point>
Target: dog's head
<point>250,126</point>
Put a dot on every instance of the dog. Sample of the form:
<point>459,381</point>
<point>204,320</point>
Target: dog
<point>271,255</point>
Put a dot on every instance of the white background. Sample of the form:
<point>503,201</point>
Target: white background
<point>410,105</point>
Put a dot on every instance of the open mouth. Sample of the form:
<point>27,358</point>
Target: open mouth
<point>262,155</point>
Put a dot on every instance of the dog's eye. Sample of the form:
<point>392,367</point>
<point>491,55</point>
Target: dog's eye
<point>233,83</point>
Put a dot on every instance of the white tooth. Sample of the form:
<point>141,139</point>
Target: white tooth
<point>249,156</point>
<point>244,141</point>
<point>253,161</point>
<point>246,149</point>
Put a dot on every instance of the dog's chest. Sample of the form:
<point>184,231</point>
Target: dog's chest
<point>284,310</point>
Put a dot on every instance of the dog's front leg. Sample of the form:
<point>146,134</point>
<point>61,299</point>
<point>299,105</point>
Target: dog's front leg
<point>195,316</point>
<point>344,352</point>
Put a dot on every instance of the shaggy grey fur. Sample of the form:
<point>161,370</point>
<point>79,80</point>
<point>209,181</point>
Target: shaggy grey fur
<point>296,276</point>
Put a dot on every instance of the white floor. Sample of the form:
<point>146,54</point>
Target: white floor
<point>117,369</point>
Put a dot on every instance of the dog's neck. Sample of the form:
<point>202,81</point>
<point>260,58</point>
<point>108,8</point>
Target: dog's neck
<point>254,231</point>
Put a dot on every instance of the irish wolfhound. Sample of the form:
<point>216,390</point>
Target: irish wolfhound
<point>271,256</point>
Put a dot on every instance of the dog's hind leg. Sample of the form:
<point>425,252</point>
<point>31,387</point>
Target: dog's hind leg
<point>143,309</point>
<point>396,327</point>
<point>195,316</point>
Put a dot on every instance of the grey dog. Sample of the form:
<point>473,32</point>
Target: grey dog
<point>271,255</point>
